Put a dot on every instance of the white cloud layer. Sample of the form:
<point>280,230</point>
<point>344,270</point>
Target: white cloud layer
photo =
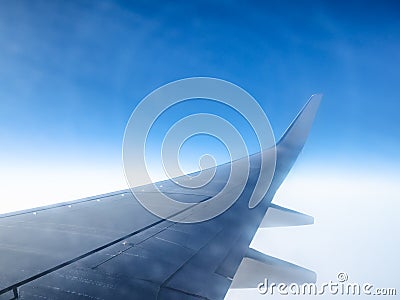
<point>355,211</point>
<point>355,230</point>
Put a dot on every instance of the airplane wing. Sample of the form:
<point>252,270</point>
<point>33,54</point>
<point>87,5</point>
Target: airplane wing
<point>110,247</point>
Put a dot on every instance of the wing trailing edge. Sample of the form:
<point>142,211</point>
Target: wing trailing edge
<point>278,216</point>
<point>256,267</point>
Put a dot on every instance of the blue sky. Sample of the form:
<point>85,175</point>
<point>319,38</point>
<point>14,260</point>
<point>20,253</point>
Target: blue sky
<point>72,72</point>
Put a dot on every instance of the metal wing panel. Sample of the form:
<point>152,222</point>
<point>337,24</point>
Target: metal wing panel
<point>41,240</point>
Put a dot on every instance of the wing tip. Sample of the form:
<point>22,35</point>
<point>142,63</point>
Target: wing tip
<point>304,118</point>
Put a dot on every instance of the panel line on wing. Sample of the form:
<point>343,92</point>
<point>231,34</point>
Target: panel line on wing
<point>71,261</point>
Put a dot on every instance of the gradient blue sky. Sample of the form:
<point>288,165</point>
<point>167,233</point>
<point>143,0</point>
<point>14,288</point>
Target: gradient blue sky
<point>71,72</point>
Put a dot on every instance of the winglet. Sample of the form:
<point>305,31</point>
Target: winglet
<point>297,132</point>
<point>292,142</point>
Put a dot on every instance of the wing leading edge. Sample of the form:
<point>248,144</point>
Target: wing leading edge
<point>109,247</point>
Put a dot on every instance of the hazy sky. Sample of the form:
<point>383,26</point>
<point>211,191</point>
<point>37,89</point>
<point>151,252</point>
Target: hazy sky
<point>71,72</point>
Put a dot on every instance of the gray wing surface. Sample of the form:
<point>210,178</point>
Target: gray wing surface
<point>110,247</point>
